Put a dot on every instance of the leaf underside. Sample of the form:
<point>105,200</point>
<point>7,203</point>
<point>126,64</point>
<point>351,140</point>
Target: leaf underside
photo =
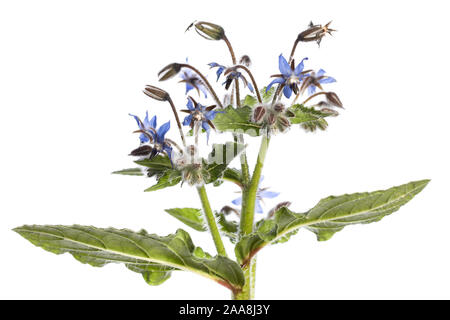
<point>189,216</point>
<point>151,255</point>
<point>329,216</point>
<point>237,121</point>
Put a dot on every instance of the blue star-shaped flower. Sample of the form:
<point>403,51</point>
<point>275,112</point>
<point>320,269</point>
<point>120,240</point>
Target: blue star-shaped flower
<point>192,81</point>
<point>151,135</point>
<point>262,193</point>
<point>290,77</point>
<point>199,114</point>
<point>315,80</point>
<point>231,74</point>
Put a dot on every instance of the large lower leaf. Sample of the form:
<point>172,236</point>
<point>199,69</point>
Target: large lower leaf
<point>237,121</point>
<point>151,255</point>
<point>329,216</point>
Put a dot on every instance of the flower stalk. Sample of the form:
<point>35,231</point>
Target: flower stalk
<point>211,220</point>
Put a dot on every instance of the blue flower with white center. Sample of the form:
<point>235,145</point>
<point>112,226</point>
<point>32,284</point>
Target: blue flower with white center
<point>153,136</point>
<point>193,81</point>
<point>232,73</point>
<point>315,80</point>
<point>262,193</point>
<point>201,115</point>
<point>290,77</point>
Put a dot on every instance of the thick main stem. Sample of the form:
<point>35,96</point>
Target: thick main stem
<point>247,220</point>
<point>246,225</point>
<point>212,224</point>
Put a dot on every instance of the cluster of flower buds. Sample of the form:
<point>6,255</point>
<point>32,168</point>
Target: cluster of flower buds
<point>271,117</point>
<point>315,32</point>
<point>190,165</point>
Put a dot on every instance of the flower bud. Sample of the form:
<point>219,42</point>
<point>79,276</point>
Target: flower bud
<point>315,33</point>
<point>278,107</point>
<point>271,119</point>
<point>169,71</point>
<point>209,30</point>
<point>333,99</point>
<point>259,113</point>
<point>278,207</point>
<point>330,111</point>
<point>283,123</point>
<point>245,60</point>
<point>144,150</point>
<point>156,93</point>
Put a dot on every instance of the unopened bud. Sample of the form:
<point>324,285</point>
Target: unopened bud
<point>283,123</point>
<point>144,150</point>
<point>271,119</point>
<point>169,71</point>
<point>315,33</point>
<point>278,107</point>
<point>156,93</point>
<point>209,30</point>
<point>329,111</point>
<point>245,60</point>
<point>259,113</point>
<point>278,207</point>
<point>333,99</point>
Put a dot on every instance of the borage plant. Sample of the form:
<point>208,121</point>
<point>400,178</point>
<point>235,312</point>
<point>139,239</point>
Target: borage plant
<point>266,112</point>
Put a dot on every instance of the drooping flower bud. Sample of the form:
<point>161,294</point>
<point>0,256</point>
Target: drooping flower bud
<point>144,150</point>
<point>209,30</point>
<point>283,123</point>
<point>333,99</point>
<point>245,60</point>
<point>156,93</point>
<point>315,32</point>
<point>169,71</point>
<point>258,114</point>
<point>278,207</point>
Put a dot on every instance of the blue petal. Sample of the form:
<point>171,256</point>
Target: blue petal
<point>152,122</point>
<point>219,72</point>
<point>162,131</point>
<point>187,120</point>
<point>143,138</point>
<point>189,87</point>
<point>259,209</point>
<point>137,121</point>
<point>168,150</point>
<point>298,70</point>
<point>268,194</point>
<point>250,87</point>
<point>211,114</point>
<point>189,105</point>
<point>287,91</point>
<point>276,80</point>
<point>206,127</point>
<point>327,80</point>
<point>320,73</point>
<point>237,201</point>
<point>204,90</point>
<point>311,89</point>
<point>213,64</point>
<point>284,67</point>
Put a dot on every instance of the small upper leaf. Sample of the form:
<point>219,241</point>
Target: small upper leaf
<point>237,121</point>
<point>169,178</point>
<point>309,118</point>
<point>130,172</point>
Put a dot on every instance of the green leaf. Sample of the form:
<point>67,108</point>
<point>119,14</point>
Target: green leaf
<point>309,118</point>
<point>249,100</point>
<point>233,175</point>
<point>329,216</point>
<point>169,178</point>
<point>237,121</point>
<point>228,228</point>
<point>130,172</point>
<point>189,216</point>
<point>219,159</point>
<point>151,255</point>
<point>267,96</point>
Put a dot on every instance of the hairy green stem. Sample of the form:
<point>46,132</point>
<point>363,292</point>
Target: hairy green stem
<point>212,224</point>
<point>249,198</point>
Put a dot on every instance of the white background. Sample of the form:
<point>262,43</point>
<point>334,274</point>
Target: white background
<point>71,71</point>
